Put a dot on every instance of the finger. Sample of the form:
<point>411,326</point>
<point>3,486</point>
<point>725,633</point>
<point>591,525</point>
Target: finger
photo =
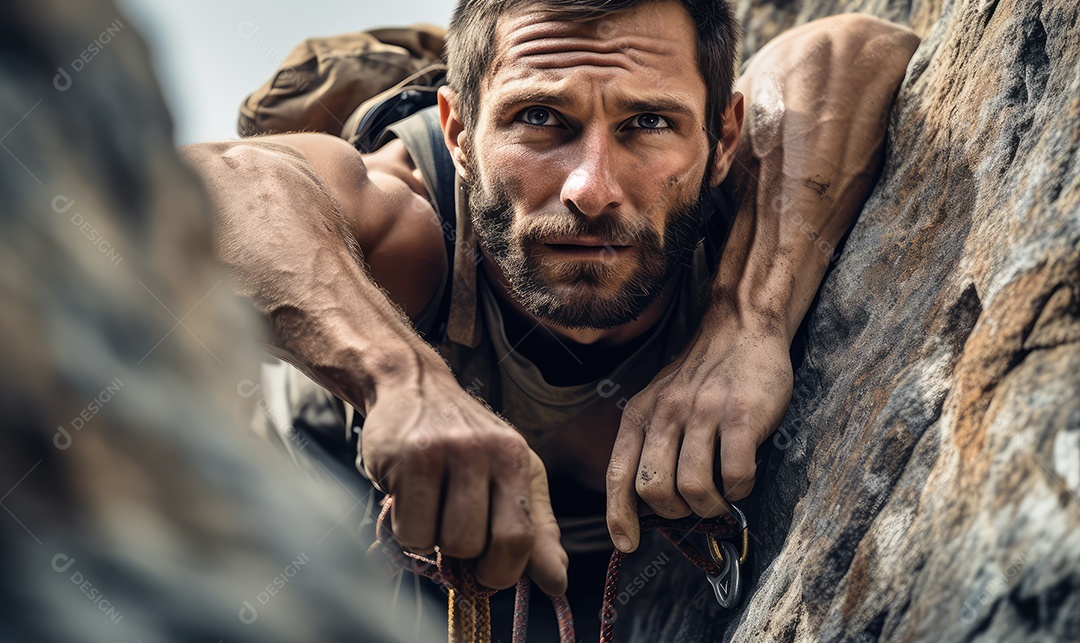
<point>622,500</point>
<point>738,464</point>
<point>416,491</point>
<point>695,482</point>
<point>655,482</point>
<point>548,561</point>
<point>464,528</point>
<point>512,533</point>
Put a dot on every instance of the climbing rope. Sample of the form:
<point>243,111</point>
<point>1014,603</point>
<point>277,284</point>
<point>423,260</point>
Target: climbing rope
<point>469,607</point>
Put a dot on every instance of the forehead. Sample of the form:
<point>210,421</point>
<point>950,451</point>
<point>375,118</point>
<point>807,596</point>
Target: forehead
<point>648,49</point>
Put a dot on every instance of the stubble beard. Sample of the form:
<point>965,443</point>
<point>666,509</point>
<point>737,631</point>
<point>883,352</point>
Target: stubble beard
<point>597,295</point>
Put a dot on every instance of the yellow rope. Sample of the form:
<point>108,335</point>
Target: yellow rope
<point>718,555</point>
<point>468,613</point>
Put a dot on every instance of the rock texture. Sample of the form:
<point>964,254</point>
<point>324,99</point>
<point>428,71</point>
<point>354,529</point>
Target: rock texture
<point>925,483</point>
<point>764,20</point>
<point>136,506</point>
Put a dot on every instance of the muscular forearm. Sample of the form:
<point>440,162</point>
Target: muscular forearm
<point>282,233</point>
<point>819,100</point>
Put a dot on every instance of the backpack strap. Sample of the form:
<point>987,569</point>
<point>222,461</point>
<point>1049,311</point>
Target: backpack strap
<point>366,127</point>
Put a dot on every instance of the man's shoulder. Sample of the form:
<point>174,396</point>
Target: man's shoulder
<point>385,208</point>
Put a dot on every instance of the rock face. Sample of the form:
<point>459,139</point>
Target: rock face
<point>925,483</point>
<point>923,486</point>
<point>136,504</point>
<point>764,20</point>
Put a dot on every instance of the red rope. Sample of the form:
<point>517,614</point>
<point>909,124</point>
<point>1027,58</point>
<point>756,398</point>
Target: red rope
<point>521,610</point>
<point>474,620</point>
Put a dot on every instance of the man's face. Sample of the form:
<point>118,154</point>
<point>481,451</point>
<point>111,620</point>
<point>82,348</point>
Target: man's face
<point>588,161</point>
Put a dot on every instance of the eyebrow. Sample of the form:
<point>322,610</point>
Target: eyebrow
<point>510,100</point>
<point>669,105</point>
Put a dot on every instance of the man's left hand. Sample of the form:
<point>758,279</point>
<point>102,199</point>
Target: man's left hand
<point>726,393</point>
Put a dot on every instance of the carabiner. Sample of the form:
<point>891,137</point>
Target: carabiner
<point>727,585</point>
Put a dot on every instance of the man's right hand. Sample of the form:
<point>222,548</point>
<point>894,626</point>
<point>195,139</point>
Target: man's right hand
<point>462,479</point>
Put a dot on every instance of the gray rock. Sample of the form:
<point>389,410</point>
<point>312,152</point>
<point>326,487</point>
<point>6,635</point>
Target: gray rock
<point>137,507</point>
<point>763,21</point>
<point>927,484</point>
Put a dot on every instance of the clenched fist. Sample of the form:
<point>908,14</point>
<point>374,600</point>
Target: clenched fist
<point>462,479</point>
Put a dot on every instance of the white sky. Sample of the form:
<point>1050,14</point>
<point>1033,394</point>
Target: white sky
<point>206,66</point>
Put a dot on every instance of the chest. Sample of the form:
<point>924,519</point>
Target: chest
<point>578,448</point>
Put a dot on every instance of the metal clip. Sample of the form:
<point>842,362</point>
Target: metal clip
<point>728,583</point>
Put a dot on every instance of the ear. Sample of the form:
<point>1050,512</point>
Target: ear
<point>729,139</point>
<point>453,129</point>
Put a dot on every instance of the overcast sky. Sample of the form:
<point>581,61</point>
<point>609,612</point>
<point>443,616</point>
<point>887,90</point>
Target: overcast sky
<point>207,66</point>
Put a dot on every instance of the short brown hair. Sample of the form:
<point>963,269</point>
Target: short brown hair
<point>470,49</point>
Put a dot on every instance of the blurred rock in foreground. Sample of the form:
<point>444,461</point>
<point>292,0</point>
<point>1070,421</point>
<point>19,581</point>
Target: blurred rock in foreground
<point>136,506</point>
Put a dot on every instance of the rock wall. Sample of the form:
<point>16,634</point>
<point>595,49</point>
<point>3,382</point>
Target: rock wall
<point>923,486</point>
<point>136,506</point>
<point>925,483</point>
<point>762,20</point>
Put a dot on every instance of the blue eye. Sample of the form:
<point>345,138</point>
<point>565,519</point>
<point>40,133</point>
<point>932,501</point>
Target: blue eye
<point>649,121</point>
<point>539,116</point>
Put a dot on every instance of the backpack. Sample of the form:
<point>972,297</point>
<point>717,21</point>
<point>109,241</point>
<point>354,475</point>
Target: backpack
<point>353,85</point>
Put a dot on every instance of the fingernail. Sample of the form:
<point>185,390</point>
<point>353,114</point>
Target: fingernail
<point>622,543</point>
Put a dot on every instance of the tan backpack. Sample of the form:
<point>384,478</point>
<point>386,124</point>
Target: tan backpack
<point>352,85</point>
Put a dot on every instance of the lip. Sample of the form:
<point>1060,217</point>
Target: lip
<point>583,248</point>
<point>585,242</point>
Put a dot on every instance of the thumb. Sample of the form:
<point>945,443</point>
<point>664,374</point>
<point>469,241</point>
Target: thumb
<point>548,560</point>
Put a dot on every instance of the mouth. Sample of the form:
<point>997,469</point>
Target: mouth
<point>584,248</point>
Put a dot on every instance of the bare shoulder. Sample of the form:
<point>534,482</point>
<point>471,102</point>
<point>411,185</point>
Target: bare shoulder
<point>380,199</point>
<point>851,38</point>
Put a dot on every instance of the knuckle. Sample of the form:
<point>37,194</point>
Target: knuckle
<point>739,473</point>
<point>667,411</point>
<point>516,541</point>
<point>638,403</point>
<point>511,447</point>
<point>654,494</point>
<point>740,408</point>
<point>466,548</point>
<point>618,472</point>
<point>696,492</point>
<point>461,443</point>
<point>420,455</point>
<point>413,536</point>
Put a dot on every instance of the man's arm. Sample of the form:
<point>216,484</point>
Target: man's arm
<point>285,229</point>
<point>818,99</point>
<point>326,245</point>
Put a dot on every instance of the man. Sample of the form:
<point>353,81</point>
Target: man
<point>586,298</point>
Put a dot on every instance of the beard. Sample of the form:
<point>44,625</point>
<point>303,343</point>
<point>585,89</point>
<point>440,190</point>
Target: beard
<point>588,294</point>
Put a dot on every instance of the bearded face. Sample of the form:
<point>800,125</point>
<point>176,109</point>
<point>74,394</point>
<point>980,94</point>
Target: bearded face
<point>585,272</point>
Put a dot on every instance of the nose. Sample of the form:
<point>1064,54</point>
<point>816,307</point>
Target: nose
<point>591,188</point>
